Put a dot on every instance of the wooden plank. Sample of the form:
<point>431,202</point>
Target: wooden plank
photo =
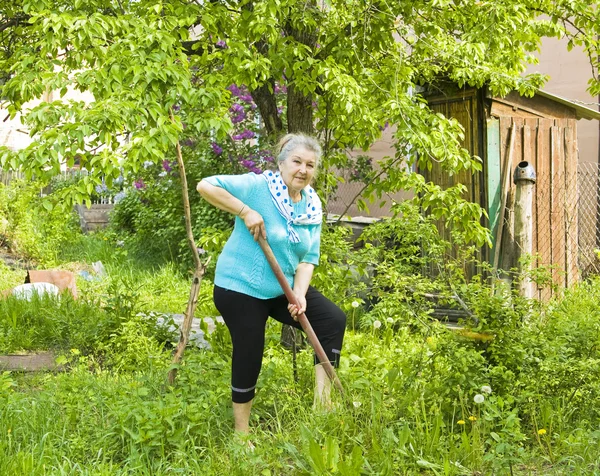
<point>544,229</point>
<point>532,125</point>
<point>571,203</point>
<point>500,250</point>
<point>538,105</point>
<point>530,155</point>
<point>29,362</point>
<point>557,206</point>
<point>493,177</point>
<point>509,252</point>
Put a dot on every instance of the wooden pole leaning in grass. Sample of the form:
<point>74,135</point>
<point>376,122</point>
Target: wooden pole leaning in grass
<point>505,188</point>
<point>291,297</point>
<point>200,268</point>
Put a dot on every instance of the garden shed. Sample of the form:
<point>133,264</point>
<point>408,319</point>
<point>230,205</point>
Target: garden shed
<point>542,131</point>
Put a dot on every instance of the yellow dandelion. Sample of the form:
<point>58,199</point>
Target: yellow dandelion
<point>542,431</point>
<point>461,422</point>
<point>472,418</point>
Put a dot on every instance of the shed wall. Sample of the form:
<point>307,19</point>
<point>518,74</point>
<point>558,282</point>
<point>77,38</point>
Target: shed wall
<point>550,145</point>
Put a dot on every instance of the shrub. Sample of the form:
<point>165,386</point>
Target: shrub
<point>31,227</point>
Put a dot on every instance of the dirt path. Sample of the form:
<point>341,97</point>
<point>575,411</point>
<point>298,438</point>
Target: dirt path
<point>15,262</point>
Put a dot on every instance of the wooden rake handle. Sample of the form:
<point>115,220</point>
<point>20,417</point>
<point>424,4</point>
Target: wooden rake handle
<point>291,297</point>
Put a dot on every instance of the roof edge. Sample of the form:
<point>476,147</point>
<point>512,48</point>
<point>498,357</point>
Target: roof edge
<point>581,111</point>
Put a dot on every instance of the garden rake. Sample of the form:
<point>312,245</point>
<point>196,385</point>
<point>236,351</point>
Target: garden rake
<point>291,297</point>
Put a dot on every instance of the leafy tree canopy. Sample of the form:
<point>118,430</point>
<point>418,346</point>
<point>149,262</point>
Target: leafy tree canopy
<point>159,71</point>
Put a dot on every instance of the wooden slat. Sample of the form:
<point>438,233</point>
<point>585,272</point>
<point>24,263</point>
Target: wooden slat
<point>509,252</point>
<point>503,249</point>
<point>530,154</point>
<point>42,361</point>
<point>571,204</point>
<point>557,214</point>
<point>493,177</point>
<point>544,228</point>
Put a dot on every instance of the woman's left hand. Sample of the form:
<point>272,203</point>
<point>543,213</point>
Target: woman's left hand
<point>294,310</point>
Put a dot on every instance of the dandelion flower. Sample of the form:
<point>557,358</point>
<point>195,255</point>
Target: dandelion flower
<point>542,431</point>
<point>461,422</point>
<point>355,304</point>
<point>377,324</point>
<point>472,418</point>
<point>486,389</point>
<point>390,320</point>
<point>478,398</point>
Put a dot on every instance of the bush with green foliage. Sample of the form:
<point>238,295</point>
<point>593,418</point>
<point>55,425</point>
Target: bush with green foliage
<point>30,227</point>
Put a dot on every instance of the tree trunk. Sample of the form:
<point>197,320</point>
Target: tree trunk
<point>264,97</point>
<point>299,111</point>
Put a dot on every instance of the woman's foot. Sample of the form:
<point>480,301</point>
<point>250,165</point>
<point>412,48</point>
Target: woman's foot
<point>243,441</point>
<point>322,399</point>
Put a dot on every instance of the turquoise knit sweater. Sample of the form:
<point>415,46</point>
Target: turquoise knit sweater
<point>242,265</point>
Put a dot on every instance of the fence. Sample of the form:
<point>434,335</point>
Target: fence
<point>99,198</point>
<point>566,225</point>
<point>7,177</point>
<point>588,205</point>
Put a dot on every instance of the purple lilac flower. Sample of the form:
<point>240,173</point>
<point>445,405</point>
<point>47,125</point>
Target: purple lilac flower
<point>246,134</point>
<point>266,155</point>
<point>101,189</point>
<point>167,165</point>
<point>279,110</point>
<point>234,90</point>
<point>384,127</point>
<point>314,104</point>
<point>280,88</point>
<point>189,142</point>
<point>216,149</point>
<point>248,163</point>
<point>246,98</point>
<point>221,44</point>
<point>176,108</point>
<point>139,184</point>
<point>238,118</point>
<point>256,170</point>
<point>236,108</point>
<point>318,45</point>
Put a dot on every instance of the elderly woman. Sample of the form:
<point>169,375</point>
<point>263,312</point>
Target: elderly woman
<point>281,207</point>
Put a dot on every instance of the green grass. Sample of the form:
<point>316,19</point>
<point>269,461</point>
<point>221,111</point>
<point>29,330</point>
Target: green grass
<point>409,405</point>
<point>95,421</point>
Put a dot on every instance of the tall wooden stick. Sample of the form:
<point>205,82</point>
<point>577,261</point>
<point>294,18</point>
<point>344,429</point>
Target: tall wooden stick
<point>291,297</point>
<point>200,268</point>
<point>505,189</point>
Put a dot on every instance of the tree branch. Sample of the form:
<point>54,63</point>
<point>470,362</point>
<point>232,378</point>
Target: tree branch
<point>15,21</point>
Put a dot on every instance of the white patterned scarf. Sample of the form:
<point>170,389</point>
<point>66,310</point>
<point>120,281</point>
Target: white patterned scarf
<point>281,198</point>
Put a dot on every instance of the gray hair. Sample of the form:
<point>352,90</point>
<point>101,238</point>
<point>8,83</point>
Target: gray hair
<point>290,142</point>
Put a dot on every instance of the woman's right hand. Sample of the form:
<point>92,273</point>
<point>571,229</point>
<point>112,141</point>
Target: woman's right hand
<point>254,222</point>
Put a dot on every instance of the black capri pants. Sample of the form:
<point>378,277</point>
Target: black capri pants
<point>246,318</point>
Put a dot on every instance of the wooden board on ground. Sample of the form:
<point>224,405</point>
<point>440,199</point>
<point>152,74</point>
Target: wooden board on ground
<point>30,362</point>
